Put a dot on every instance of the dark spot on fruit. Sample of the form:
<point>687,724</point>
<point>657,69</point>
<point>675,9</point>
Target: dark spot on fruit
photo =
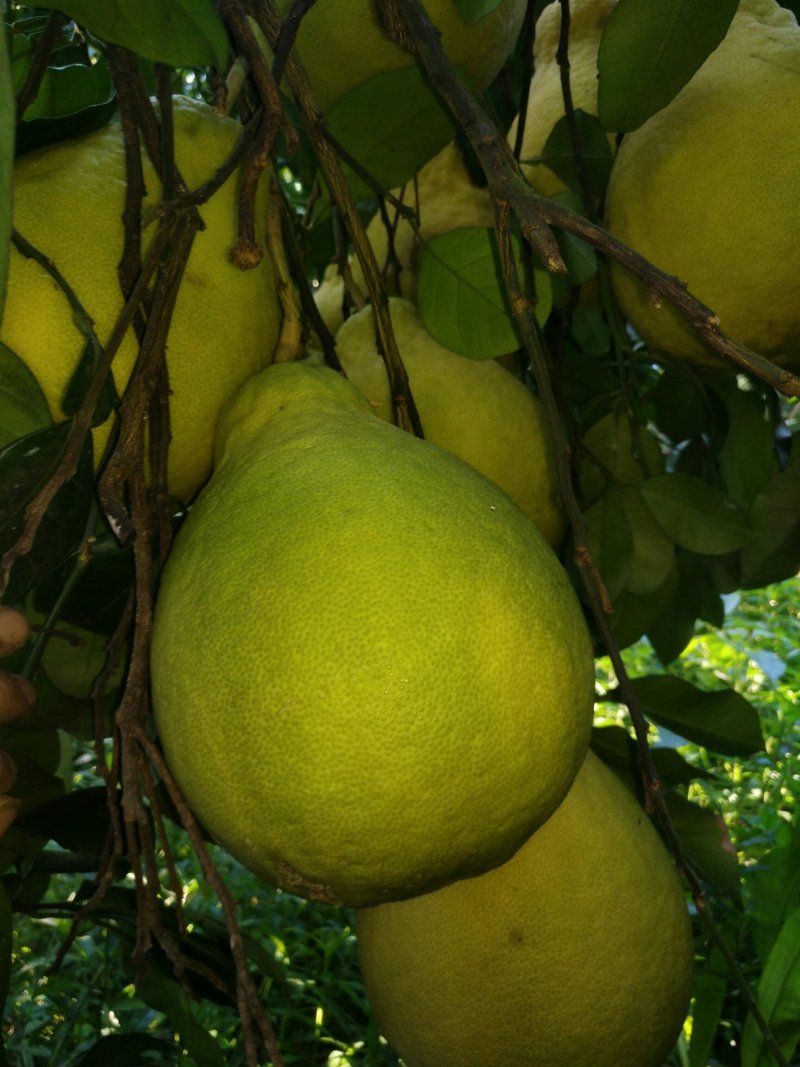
<point>515,936</point>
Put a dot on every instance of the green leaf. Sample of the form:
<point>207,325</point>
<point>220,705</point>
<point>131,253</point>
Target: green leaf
<point>180,33</point>
<point>775,892</point>
<point>391,125</point>
<point>681,408</point>
<point>653,552</point>
<point>694,514</point>
<point>73,659</point>
<point>122,1050</point>
<point>773,551</point>
<point>693,596</point>
<point>26,466</point>
<point>747,457</point>
<point>164,993</point>
<point>648,52</point>
<point>610,541</point>
<point>23,407</point>
<point>617,748</point>
<point>722,720</point>
<point>78,822</point>
<point>7,124</point>
<point>6,943</point>
<point>710,987</point>
<point>705,839</point>
<point>79,383</point>
<point>778,999</point>
<point>473,11</point>
<point>68,90</point>
<point>618,450</point>
<point>461,296</point>
<point>559,154</point>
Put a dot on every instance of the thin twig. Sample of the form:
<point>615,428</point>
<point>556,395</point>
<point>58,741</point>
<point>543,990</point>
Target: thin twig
<point>269,20</point>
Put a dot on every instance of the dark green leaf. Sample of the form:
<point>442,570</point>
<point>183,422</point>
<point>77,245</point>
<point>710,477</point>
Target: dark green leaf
<point>705,839</point>
<point>461,297</point>
<point>618,450</point>
<point>125,1050</point>
<point>617,748</point>
<point>653,552</point>
<point>633,615</point>
<point>710,986</point>
<point>747,458</point>
<point>722,720</point>
<point>67,90</point>
<point>681,409</point>
<point>595,153</point>
<point>778,999</point>
<point>474,10</point>
<point>694,596</point>
<point>7,111</point>
<point>579,257</point>
<point>78,822</point>
<point>390,124</point>
<point>25,467</point>
<point>609,541</point>
<point>695,515</point>
<point>180,33</point>
<point>649,52</point>
<point>23,407</point>
<point>164,993</point>
<point>773,551</point>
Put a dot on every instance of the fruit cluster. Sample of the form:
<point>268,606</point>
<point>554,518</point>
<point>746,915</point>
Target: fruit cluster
<point>384,700</point>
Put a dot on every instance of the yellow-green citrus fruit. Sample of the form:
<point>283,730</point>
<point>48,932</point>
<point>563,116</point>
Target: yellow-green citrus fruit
<point>393,683</point>
<point>473,408</point>
<point>375,97</point>
<point>68,202</point>
<point>578,951</point>
<point>546,99</point>
<point>706,190</point>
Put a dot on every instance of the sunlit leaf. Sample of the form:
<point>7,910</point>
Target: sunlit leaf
<point>778,999</point>
<point>775,890</point>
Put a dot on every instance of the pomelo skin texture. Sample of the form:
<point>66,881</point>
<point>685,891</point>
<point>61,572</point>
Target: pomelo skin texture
<point>707,190</point>
<point>546,98</point>
<point>472,408</point>
<point>393,682</point>
<point>68,202</point>
<point>575,953</point>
